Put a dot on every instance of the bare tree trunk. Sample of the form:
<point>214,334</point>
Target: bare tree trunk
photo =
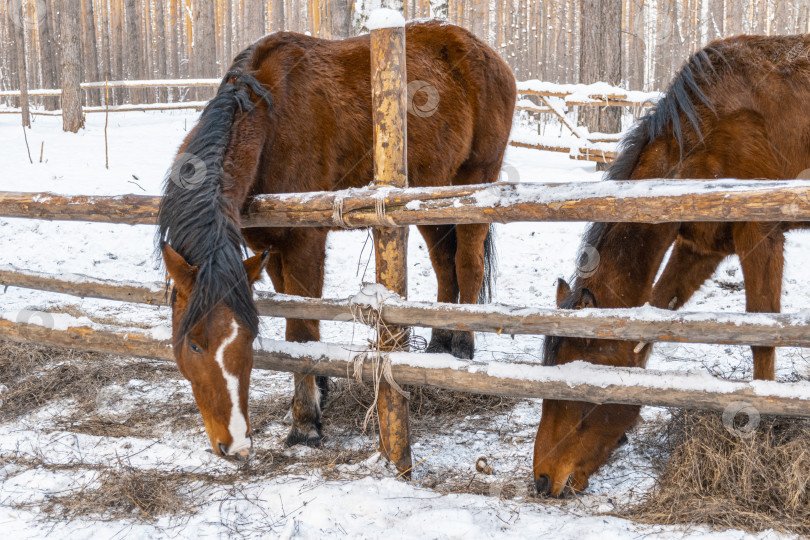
<point>204,60</point>
<point>717,19</point>
<point>47,52</point>
<point>119,58</point>
<point>147,47</point>
<point>132,44</point>
<point>71,65</point>
<point>637,45</point>
<point>160,46</point>
<point>341,19</point>
<point>601,58</point>
<point>228,32</point>
<point>91,59</point>
<point>734,17</point>
<point>175,33</point>
<point>804,18</point>
<point>254,20</point>
<point>106,54</point>
<point>277,15</point>
<point>22,71</point>
<point>9,52</point>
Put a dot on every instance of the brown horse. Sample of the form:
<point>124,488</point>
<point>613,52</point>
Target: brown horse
<point>737,109</point>
<point>293,114</point>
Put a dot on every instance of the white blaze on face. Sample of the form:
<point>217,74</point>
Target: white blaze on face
<point>237,425</point>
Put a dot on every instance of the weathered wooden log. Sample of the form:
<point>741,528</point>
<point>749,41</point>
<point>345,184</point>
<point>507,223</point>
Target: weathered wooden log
<point>84,287</point>
<point>596,100</point>
<point>576,382</point>
<point>155,83</point>
<point>108,340</point>
<point>390,142</point>
<point>196,105</point>
<point>127,209</point>
<point>647,324</point>
<point>583,154</point>
<point>632,201</point>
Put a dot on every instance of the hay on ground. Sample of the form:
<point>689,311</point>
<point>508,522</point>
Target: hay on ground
<point>126,493</point>
<point>36,375</point>
<point>717,477</point>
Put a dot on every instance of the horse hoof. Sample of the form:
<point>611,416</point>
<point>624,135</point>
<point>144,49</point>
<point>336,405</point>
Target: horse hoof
<point>441,341</point>
<point>463,345</point>
<point>311,437</point>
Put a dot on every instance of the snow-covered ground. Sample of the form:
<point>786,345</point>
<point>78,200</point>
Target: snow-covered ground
<point>357,499</point>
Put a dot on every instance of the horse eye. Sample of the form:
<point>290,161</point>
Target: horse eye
<point>195,348</point>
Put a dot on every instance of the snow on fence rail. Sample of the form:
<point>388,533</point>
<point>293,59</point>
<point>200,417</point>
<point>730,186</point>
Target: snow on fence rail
<point>673,200</point>
<point>577,381</point>
<point>630,201</point>
<point>645,324</point>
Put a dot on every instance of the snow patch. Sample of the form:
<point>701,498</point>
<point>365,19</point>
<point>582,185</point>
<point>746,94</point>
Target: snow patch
<point>385,18</point>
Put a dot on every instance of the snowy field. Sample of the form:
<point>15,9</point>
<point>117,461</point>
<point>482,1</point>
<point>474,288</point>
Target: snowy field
<point>43,457</point>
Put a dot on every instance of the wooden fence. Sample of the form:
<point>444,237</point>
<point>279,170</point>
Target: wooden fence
<point>648,201</point>
<point>554,100</point>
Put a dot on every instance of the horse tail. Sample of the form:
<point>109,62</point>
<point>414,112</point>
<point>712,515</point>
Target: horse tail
<point>490,268</point>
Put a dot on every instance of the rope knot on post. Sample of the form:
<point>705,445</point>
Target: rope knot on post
<point>366,307</point>
<point>337,213</point>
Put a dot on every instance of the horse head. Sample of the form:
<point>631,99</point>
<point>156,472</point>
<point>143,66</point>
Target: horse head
<point>216,356</point>
<point>575,438</point>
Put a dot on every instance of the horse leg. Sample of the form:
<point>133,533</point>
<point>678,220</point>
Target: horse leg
<point>761,255</point>
<point>688,268</point>
<point>441,244</point>
<point>471,252</point>
<point>302,268</point>
<point>471,266</point>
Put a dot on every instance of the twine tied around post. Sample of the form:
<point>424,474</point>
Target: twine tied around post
<point>366,308</point>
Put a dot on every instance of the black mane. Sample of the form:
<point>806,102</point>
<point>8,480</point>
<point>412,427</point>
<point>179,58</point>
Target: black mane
<point>683,96</point>
<point>195,217</point>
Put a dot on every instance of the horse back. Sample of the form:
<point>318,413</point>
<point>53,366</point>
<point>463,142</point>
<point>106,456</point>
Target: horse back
<point>740,108</point>
<point>318,135</point>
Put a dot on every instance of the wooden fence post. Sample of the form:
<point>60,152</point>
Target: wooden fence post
<point>388,91</point>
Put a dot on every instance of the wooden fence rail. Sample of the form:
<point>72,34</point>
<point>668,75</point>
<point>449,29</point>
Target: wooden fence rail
<point>580,382</point>
<point>633,201</point>
<point>644,324</point>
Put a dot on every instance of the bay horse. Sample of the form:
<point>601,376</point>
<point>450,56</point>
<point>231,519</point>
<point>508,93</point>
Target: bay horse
<point>740,108</point>
<point>294,114</point>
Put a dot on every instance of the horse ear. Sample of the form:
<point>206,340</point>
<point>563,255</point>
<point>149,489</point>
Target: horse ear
<point>563,290</point>
<point>586,299</point>
<point>183,274</point>
<point>255,265</point>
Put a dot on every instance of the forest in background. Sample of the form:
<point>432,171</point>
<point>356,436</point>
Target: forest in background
<point>548,40</point>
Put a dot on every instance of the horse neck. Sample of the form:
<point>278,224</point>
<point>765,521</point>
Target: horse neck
<point>242,160</point>
<point>629,257</point>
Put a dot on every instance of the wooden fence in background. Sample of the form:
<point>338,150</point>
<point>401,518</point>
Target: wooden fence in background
<point>534,97</point>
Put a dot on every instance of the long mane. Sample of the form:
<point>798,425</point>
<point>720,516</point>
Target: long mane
<point>681,100</point>
<point>682,97</point>
<point>196,218</point>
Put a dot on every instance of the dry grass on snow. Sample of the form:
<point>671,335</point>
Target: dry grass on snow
<point>711,477</point>
<point>716,477</point>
